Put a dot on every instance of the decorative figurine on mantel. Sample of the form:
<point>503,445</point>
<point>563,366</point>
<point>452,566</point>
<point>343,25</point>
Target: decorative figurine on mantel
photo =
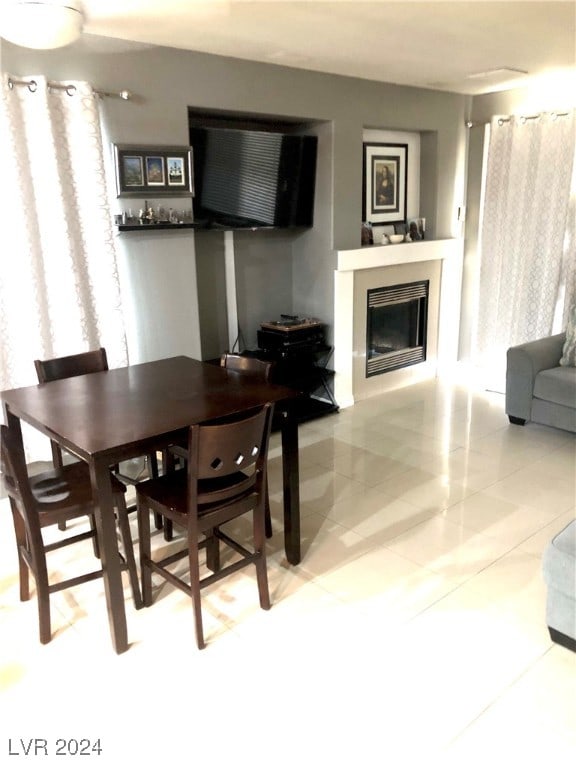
<point>413,232</point>
<point>416,229</point>
<point>367,234</point>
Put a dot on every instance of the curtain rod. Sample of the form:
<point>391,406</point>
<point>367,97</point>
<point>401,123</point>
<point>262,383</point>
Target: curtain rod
<point>522,118</point>
<point>70,89</point>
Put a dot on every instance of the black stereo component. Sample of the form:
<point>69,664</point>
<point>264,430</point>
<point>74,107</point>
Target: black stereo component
<point>290,333</point>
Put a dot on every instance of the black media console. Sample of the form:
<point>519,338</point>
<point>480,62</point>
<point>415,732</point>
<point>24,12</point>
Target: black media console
<point>300,355</point>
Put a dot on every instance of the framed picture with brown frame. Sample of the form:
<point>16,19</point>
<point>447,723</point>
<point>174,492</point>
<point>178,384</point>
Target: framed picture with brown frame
<point>153,171</point>
<point>385,174</point>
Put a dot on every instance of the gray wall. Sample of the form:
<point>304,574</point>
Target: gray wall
<point>276,272</point>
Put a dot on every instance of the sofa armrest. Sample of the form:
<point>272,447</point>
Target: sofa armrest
<point>523,363</point>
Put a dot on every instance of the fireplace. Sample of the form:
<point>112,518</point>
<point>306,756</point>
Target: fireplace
<point>397,318</point>
<point>362,269</point>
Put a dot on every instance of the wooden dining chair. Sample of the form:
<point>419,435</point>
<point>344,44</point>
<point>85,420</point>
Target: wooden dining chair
<point>259,370</point>
<point>225,479</point>
<point>250,366</point>
<point>63,368</point>
<point>46,499</point>
<point>93,361</point>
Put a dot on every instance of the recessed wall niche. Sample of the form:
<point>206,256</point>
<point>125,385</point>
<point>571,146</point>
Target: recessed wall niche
<point>422,173</point>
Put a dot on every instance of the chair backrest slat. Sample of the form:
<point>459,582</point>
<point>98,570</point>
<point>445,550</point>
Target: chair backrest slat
<point>57,368</point>
<point>71,365</point>
<point>251,366</point>
<point>224,449</point>
<point>228,459</point>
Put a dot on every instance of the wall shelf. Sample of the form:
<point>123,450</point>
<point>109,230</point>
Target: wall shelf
<point>149,227</point>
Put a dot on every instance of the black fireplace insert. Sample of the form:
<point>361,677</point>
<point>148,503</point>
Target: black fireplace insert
<point>397,317</point>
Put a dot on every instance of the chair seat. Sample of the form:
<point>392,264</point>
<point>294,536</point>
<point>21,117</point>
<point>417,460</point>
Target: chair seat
<point>69,486</point>
<point>171,491</point>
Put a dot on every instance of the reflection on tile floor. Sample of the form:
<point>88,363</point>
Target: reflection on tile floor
<point>411,634</point>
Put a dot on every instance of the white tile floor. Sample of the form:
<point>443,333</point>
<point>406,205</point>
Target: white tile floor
<point>412,633</point>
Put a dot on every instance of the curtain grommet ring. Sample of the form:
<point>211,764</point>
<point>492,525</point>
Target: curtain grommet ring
<point>32,86</point>
<point>71,90</point>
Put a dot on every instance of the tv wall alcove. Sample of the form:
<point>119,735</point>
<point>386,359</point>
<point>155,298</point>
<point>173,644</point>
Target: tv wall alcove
<point>273,270</point>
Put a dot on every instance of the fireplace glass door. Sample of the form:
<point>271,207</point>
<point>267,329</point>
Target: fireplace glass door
<point>396,327</point>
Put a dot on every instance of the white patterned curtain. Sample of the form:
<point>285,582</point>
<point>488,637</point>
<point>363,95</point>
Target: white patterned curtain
<point>59,287</point>
<point>527,247</point>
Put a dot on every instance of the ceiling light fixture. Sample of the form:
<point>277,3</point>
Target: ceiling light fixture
<point>41,24</point>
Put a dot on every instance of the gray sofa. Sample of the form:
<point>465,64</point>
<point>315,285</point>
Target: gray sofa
<point>559,567</point>
<point>538,388</point>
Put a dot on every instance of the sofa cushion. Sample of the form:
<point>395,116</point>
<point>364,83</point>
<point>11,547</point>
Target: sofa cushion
<point>569,349</point>
<point>557,385</point>
<point>559,561</point>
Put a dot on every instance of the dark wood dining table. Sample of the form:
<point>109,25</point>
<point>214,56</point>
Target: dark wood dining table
<point>108,417</point>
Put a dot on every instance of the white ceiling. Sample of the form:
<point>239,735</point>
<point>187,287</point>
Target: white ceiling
<point>427,44</point>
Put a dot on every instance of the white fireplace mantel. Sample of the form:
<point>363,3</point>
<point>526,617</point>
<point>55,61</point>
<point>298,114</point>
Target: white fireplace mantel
<point>449,252</point>
<point>372,256</point>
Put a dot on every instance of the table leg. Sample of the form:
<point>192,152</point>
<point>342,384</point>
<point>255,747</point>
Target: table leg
<point>15,426</point>
<point>291,477</point>
<point>110,557</point>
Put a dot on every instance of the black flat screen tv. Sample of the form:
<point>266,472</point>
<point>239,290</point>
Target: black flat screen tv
<point>249,179</point>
